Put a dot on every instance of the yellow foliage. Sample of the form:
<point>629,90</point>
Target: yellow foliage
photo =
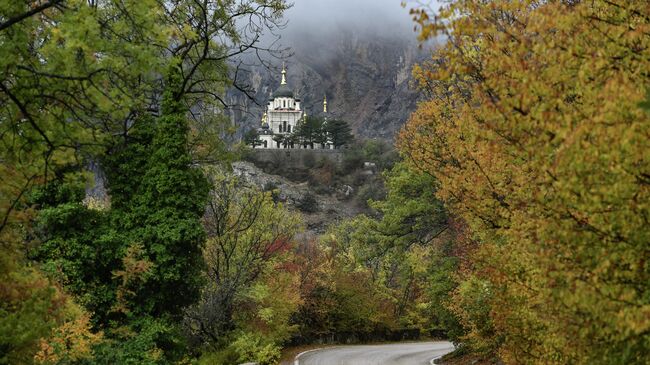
<point>71,341</point>
<point>136,270</point>
<point>534,130</point>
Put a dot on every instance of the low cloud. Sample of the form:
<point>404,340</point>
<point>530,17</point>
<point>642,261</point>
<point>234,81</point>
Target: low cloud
<point>316,18</point>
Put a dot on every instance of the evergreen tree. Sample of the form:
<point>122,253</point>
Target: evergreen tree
<point>339,132</point>
<point>164,215</point>
<point>252,138</point>
<point>311,131</point>
<point>284,140</point>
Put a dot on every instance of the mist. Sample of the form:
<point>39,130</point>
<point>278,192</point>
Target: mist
<point>320,19</point>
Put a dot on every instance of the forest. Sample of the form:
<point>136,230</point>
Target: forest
<point>512,218</point>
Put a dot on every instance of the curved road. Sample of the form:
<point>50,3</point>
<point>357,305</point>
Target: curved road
<point>419,353</point>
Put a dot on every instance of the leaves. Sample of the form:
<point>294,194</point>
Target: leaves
<point>533,128</point>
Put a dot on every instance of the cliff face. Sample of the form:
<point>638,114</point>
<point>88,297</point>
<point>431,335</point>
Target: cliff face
<point>366,77</point>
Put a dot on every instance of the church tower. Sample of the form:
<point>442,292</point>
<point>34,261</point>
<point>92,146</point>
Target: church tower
<point>283,113</point>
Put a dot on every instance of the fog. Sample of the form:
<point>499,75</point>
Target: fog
<point>322,18</point>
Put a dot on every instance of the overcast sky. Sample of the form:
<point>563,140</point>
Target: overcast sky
<point>313,16</point>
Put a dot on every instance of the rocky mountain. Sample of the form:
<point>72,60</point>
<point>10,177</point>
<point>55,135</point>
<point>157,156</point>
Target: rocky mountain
<point>365,75</point>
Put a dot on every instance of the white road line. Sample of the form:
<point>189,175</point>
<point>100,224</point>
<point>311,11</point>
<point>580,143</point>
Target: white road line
<point>432,362</point>
<point>297,358</point>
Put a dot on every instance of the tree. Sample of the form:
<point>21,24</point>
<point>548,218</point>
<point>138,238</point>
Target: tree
<point>247,234</point>
<point>64,102</point>
<point>38,322</point>
<point>533,129</point>
<point>310,131</point>
<point>339,132</point>
<point>99,81</point>
<point>164,214</point>
<point>252,138</point>
<point>392,270</point>
<point>284,140</point>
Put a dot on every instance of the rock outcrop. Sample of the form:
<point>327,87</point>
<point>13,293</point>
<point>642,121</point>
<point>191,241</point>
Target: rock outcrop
<point>318,210</point>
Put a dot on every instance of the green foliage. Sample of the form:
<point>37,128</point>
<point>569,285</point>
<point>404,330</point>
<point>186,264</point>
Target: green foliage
<point>249,236</point>
<point>146,341</point>
<point>157,201</point>
<point>474,297</point>
<point>76,246</point>
<point>394,270</point>
<point>82,86</point>
<point>164,214</point>
<point>28,312</point>
<point>410,213</point>
<point>381,153</point>
<point>339,132</point>
<point>139,262</point>
<point>252,138</point>
<point>310,132</point>
<point>254,348</point>
<point>79,250</point>
<point>441,285</point>
<point>225,356</point>
<point>38,322</point>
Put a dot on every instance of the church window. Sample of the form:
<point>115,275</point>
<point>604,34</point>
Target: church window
<point>284,103</point>
<point>289,128</point>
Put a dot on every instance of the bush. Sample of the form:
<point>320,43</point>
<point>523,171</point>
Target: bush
<point>308,204</point>
<point>353,159</point>
<point>146,341</point>
<point>374,190</point>
<point>273,188</point>
<point>227,356</point>
<point>252,347</point>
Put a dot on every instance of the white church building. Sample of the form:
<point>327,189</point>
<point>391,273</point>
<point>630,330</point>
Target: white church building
<point>282,115</point>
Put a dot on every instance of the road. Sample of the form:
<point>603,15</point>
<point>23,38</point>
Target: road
<point>394,354</point>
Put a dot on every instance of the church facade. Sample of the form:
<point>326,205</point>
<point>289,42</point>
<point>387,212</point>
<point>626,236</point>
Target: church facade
<point>283,114</point>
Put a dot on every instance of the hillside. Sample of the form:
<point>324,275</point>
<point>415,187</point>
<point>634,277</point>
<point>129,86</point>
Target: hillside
<point>366,77</point>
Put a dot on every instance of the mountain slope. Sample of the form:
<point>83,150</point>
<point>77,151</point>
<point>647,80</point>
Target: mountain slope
<point>365,76</point>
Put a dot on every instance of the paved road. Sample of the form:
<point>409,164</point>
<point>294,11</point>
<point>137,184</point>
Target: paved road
<point>393,354</point>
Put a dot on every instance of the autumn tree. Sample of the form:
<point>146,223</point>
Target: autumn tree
<point>248,235</point>
<point>533,128</point>
<point>391,270</point>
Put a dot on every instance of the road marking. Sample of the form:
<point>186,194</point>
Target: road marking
<point>432,362</point>
<point>297,358</point>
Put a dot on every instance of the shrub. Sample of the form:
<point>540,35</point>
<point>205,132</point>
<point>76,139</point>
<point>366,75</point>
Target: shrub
<point>308,204</point>
<point>252,347</point>
<point>353,159</point>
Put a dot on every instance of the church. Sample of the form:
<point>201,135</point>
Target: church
<point>282,116</point>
